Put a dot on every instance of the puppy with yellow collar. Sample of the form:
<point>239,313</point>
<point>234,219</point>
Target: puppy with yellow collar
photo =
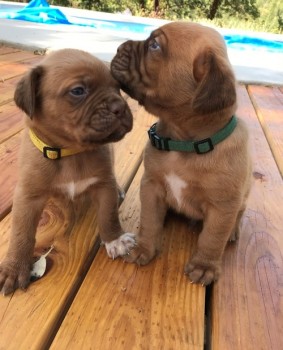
<point>74,110</point>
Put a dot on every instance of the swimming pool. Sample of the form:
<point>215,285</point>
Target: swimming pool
<point>256,57</point>
<point>39,11</point>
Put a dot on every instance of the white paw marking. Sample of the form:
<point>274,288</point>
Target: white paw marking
<point>176,185</point>
<point>121,246</point>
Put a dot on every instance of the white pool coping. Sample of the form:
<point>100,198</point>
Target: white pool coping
<point>250,66</point>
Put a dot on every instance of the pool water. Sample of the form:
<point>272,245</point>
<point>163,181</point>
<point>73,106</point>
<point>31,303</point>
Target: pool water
<point>129,29</point>
<point>241,42</point>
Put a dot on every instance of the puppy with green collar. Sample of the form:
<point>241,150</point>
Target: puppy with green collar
<point>197,160</point>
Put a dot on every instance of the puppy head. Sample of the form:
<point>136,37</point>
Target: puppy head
<point>181,65</point>
<point>72,99</point>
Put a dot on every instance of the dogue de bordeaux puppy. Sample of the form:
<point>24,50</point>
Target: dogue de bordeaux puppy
<point>197,160</point>
<point>74,111</point>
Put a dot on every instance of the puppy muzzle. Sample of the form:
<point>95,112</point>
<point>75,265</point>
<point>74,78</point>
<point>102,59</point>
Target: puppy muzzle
<point>118,107</point>
<point>126,69</point>
<point>107,122</point>
<point>121,63</point>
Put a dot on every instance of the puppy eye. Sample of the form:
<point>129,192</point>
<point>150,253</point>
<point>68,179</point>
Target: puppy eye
<point>153,45</point>
<point>78,91</point>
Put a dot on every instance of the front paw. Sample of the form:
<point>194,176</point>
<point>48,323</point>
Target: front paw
<point>141,255</point>
<point>202,272</point>
<point>121,246</point>
<point>13,275</point>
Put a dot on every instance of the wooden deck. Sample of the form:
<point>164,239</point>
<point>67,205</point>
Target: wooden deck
<point>88,301</point>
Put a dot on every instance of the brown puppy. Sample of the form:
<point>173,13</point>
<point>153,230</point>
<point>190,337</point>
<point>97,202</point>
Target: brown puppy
<point>197,162</point>
<point>74,110</point>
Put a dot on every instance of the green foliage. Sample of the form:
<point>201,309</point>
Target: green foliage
<point>210,9</point>
<point>66,3</point>
<point>259,15</point>
<point>271,13</point>
<point>182,9</point>
<point>111,5</point>
<point>244,9</point>
<point>280,21</point>
<point>269,20</point>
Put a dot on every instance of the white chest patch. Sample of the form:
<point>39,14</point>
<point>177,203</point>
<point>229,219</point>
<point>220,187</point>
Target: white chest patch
<point>73,189</point>
<point>176,185</point>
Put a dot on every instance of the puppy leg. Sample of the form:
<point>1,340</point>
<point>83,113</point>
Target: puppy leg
<point>15,268</point>
<point>205,265</point>
<point>117,243</point>
<point>153,211</point>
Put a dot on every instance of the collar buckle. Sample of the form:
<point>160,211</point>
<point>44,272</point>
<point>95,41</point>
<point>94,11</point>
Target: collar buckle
<point>51,152</point>
<point>203,146</point>
<point>161,143</point>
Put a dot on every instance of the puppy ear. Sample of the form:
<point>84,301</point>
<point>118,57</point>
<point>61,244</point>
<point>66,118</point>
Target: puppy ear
<point>216,83</point>
<point>26,95</point>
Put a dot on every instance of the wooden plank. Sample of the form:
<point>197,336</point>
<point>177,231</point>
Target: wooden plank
<point>11,70</point>
<point>4,50</point>
<point>42,306</point>
<point>11,120</point>
<point>7,89</point>
<point>9,172</point>
<point>247,303</point>
<point>149,307</point>
<point>15,57</point>
<point>268,102</point>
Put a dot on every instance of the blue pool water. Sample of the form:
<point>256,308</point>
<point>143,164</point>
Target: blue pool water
<point>116,26</point>
<point>39,11</point>
<point>241,42</point>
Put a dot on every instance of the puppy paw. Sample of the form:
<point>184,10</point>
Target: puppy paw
<point>140,255</point>
<point>121,246</point>
<point>202,273</point>
<point>14,275</point>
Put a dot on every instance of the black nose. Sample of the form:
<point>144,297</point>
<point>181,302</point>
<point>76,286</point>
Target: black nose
<point>126,45</point>
<point>117,107</point>
<point>120,47</point>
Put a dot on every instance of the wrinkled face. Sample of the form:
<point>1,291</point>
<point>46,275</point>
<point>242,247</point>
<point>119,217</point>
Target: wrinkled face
<point>72,96</point>
<point>175,66</point>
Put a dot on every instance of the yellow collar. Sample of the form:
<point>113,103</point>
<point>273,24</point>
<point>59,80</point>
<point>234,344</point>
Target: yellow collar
<point>50,152</point>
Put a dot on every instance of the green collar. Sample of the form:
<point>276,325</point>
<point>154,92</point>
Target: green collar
<point>200,147</point>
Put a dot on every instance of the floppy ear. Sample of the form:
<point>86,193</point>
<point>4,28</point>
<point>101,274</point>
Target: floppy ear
<point>26,94</point>
<point>216,83</point>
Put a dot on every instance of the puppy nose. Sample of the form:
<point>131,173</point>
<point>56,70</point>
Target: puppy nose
<point>117,107</point>
<point>124,45</point>
<point>119,48</point>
